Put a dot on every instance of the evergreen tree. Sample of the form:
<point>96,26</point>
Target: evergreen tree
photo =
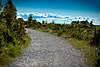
<point>10,12</point>
<point>1,6</point>
<point>91,23</point>
<point>30,20</point>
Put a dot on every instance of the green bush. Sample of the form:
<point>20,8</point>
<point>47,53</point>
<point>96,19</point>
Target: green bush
<point>12,34</point>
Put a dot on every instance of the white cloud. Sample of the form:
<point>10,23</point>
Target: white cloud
<point>57,18</point>
<point>96,21</point>
<point>19,16</point>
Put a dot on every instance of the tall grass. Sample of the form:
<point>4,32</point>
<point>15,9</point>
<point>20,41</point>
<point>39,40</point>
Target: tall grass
<point>11,52</point>
<point>90,52</point>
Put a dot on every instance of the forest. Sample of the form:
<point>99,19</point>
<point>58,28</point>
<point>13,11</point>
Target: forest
<point>82,34</point>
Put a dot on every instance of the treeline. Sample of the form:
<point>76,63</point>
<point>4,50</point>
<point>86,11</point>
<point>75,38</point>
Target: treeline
<point>80,30</point>
<point>12,33</point>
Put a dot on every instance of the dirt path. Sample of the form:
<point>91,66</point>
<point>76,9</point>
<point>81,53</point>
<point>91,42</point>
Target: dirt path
<point>47,50</point>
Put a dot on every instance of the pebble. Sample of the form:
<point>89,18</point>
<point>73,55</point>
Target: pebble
<point>47,50</point>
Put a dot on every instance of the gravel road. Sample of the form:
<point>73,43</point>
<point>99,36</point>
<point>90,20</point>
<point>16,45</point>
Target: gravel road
<point>47,50</point>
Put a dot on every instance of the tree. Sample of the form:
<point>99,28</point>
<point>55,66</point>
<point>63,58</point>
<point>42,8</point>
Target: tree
<point>91,23</point>
<point>1,5</point>
<point>21,20</point>
<point>10,11</point>
<point>43,22</point>
<point>30,20</point>
<point>12,33</point>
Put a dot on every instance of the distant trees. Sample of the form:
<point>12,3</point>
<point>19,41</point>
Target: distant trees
<point>91,23</point>
<point>30,20</point>
<point>20,20</point>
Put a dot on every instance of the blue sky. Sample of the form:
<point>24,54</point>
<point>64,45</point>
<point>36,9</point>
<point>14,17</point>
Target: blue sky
<point>89,8</point>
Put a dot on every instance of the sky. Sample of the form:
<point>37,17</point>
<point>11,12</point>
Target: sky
<point>89,8</point>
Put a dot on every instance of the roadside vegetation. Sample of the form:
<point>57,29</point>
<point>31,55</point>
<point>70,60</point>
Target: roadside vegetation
<point>82,34</point>
<point>12,34</point>
<point>13,39</point>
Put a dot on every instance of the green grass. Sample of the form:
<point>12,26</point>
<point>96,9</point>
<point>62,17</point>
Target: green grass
<point>90,52</point>
<point>27,39</point>
<point>10,52</point>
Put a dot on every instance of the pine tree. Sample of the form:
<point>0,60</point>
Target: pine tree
<point>91,23</point>
<point>1,5</point>
<point>30,20</point>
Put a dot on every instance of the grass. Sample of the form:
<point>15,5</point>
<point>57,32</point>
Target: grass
<point>27,39</point>
<point>10,52</point>
<point>90,52</point>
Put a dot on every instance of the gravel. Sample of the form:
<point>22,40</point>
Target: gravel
<point>47,50</point>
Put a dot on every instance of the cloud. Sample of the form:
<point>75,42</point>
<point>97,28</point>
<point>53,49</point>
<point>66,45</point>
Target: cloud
<point>57,18</point>
<point>19,16</point>
<point>96,21</point>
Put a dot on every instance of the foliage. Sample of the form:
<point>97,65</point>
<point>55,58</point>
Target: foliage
<point>86,35</point>
<point>12,33</point>
<point>90,52</point>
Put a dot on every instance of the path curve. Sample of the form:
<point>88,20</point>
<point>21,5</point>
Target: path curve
<point>47,50</point>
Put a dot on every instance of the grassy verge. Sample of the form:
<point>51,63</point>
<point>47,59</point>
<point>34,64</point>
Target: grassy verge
<point>27,39</point>
<point>90,52</point>
<point>10,52</point>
